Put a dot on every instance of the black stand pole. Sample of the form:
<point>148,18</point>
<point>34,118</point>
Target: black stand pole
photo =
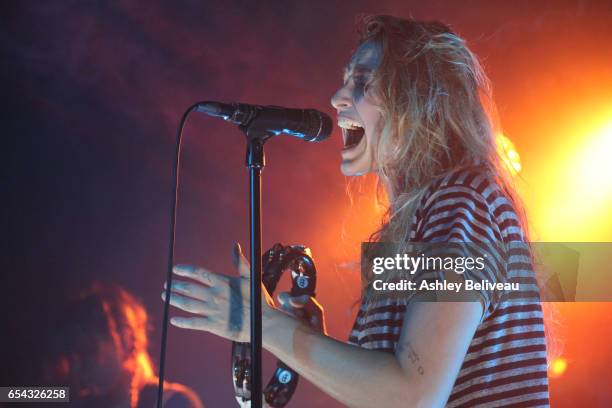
<point>255,162</point>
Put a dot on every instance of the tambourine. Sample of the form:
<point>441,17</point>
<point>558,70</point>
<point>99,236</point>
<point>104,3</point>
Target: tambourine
<point>282,385</point>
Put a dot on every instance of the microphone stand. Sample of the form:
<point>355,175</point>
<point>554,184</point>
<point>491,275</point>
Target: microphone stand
<point>255,162</point>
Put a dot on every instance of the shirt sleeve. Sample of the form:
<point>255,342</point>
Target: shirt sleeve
<point>458,223</point>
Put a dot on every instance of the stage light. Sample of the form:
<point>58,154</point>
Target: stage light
<point>575,193</point>
<point>508,153</point>
<point>557,367</point>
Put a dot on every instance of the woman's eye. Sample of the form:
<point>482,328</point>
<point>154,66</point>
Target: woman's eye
<point>360,81</point>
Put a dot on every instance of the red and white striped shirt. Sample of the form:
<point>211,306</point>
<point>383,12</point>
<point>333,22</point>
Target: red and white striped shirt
<point>505,365</point>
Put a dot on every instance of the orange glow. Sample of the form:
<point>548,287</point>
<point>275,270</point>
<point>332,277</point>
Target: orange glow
<point>132,341</point>
<point>557,367</point>
<point>137,321</point>
<point>574,193</point>
<point>508,153</point>
<point>139,362</point>
<point>145,366</point>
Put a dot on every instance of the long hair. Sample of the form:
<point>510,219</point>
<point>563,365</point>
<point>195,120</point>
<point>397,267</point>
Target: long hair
<point>109,312</point>
<point>437,112</point>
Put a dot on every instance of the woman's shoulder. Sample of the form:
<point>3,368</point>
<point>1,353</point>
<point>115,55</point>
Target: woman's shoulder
<point>474,197</point>
<point>478,181</point>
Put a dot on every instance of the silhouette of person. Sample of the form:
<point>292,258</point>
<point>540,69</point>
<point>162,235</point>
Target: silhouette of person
<point>99,349</point>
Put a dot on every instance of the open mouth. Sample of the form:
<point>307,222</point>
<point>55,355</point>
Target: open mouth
<point>352,132</point>
<point>353,137</point>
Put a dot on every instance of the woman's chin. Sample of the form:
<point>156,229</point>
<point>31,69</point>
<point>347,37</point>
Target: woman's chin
<point>351,168</point>
<point>356,159</point>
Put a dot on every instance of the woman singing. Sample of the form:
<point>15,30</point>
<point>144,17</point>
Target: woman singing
<point>413,109</point>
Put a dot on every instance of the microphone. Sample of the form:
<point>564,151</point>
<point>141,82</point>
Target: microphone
<point>306,124</point>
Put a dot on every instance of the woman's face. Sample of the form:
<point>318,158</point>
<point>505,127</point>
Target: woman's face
<point>359,111</point>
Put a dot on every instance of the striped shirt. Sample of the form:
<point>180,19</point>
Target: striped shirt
<point>505,364</point>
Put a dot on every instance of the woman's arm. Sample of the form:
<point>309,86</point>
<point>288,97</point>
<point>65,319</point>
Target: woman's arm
<point>433,342</point>
<point>432,346</point>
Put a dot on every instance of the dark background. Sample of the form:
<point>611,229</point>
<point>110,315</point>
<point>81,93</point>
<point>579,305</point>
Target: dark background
<point>92,93</point>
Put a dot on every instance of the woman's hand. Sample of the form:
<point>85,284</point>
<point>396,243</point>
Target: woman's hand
<point>220,303</point>
<point>305,308</point>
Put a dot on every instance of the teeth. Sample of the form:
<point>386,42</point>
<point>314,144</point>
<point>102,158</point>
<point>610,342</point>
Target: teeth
<point>346,123</point>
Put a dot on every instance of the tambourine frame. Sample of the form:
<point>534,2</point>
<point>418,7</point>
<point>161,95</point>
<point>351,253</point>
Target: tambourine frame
<point>282,385</point>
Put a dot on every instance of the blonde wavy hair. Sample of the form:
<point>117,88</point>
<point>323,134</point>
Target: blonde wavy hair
<point>437,112</point>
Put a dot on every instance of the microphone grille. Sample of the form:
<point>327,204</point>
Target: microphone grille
<point>323,125</point>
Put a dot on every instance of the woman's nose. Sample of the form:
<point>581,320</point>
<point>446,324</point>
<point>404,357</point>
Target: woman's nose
<point>341,99</point>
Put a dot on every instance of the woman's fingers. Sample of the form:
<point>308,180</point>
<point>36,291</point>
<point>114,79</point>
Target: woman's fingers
<point>200,274</point>
<point>299,301</point>
<point>187,304</point>
<point>283,299</point>
<point>194,323</point>
<point>193,290</point>
<point>240,262</point>
<point>288,301</point>
<point>220,300</point>
<point>303,307</point>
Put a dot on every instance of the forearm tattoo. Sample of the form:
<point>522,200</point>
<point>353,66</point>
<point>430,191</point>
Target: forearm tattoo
<point>413,357</point>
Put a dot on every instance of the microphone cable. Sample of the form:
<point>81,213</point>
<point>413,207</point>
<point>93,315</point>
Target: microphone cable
<point>175,187</point>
